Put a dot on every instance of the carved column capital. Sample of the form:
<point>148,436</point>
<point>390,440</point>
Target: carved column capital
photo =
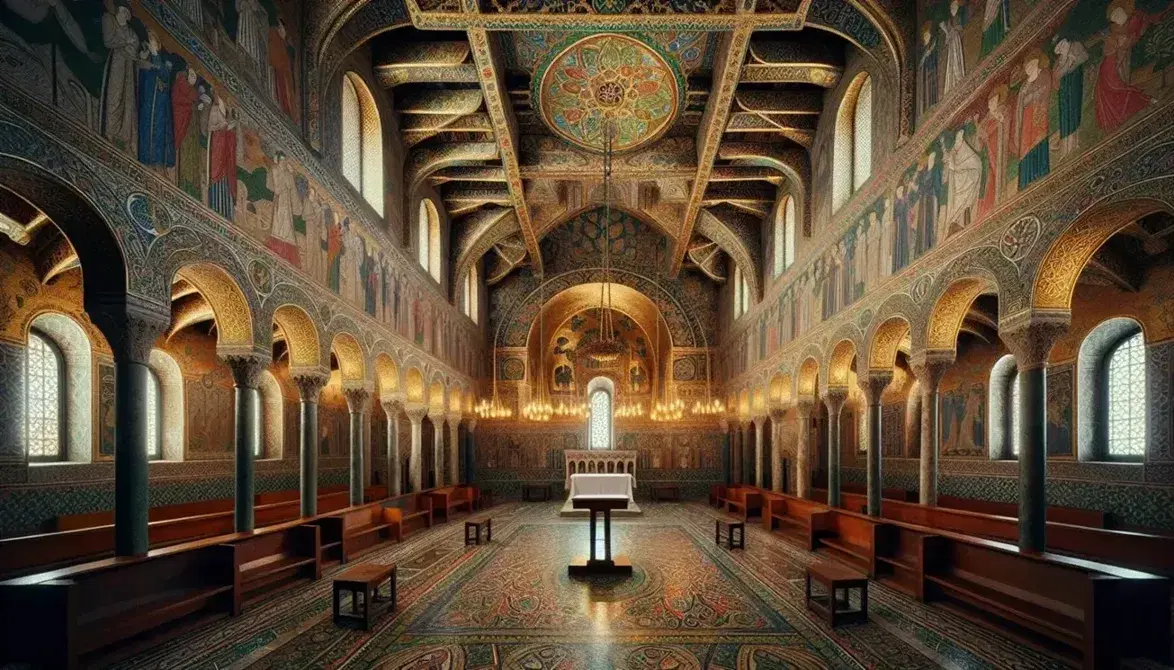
<point>758,420</point>
<point>310,384</point>
<point>416,412</point>
<point>471,423</point>
<point>874,383</point>
<point>356,398</point>
<point>834,399</point>
<point>454,419</point>
<point>392,406</point>
<point>1030,335</point>
<point>131,325</point>
<point>246,368</point>
<point>930,366</point>
<point>805,407</point>
<point>776,413</point>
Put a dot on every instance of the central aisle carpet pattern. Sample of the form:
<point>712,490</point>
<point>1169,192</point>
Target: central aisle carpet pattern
<point>509,604</point>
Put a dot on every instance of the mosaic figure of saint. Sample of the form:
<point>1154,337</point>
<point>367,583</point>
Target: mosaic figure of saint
<point>119,124</point>
<point>1116,99</point>
<point>963,176</point>
<point>996,21</point>
<point>927,71</point>
<point>222,159</point>
<point>1033,123</point>
<point>1069,74</point>
<point>955,55</point>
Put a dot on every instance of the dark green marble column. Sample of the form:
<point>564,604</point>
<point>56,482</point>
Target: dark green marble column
<point>834,399</point>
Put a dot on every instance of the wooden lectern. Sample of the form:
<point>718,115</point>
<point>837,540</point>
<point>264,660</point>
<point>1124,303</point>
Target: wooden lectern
<point>600,566</point>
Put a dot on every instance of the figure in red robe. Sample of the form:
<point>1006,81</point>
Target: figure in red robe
<point>1116,100</point>
<point>222,160</point>
<point>281,66</point>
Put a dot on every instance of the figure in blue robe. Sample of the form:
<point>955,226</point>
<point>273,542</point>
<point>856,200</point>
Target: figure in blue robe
<point>156,123</point>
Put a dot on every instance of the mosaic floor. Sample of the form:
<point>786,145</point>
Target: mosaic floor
<point>510,605</point>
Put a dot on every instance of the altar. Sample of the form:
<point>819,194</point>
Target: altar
<point>611,485</point>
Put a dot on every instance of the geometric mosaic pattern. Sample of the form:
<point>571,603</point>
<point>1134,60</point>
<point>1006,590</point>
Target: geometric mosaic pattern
<point>509,604</point>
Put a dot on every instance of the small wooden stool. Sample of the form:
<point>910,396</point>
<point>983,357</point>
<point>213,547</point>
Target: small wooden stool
<point>666,492</point>
<point>475,526</point>
<point>836,579</point>
<point>731,541</point>
<point>365,579</point>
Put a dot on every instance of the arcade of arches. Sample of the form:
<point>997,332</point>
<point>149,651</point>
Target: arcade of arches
<point>876,270</point>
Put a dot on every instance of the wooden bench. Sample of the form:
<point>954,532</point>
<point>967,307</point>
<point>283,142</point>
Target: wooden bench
<point>54,618</point>
<point>742,502</point>
<point>794,517</point>
<point>276,555</point>
<point>1070,515</point>
<point>1093,613</point>
<point>717,492</point>
<point>851,539</point>
<point>361,528</point>
<point>408,513</point>
<point>451,498</point>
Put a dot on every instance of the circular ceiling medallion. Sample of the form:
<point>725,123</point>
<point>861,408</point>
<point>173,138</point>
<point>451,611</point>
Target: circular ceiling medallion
<point>608,77</point>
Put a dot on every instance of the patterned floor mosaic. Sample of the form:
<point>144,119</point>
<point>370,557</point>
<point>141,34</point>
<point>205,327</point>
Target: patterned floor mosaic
<point>510,605</point>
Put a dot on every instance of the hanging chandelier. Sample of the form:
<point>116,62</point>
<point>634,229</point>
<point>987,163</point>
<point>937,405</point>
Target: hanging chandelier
<point>710,406</point>
<point>606,348</point>
<point>626,409</point>
<point>493,409</point>
<point>540,408</point>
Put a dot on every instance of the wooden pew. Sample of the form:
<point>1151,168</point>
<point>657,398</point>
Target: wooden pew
<point>1070,515</point>
<point>851,539</point>
<point>274,555</point>
<point>347,533</point>
<point>716,493</point>
<point>743,502</point>
<point>451,498</point>
<point>408,513</point>
<point>802,520</point>
<point>34,553</point>
<point>54,618</point>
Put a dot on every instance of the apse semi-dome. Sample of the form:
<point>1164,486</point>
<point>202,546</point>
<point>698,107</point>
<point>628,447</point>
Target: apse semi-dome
<point>608,76</point>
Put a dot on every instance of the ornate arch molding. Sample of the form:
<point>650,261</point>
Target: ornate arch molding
<point>987,264</point>
<point>808,372</point>
<point>388,373</point>
<point>883,339</point>
<point>336,29</point>
<point>868,25</point>
<point>794,164</point>
<point>522,311</point>
<point>290,295</point>
<point>847,341</point>
<point>1062,262</point>
<point>738,241</point>
<point>85,207</point>
<point>474,237</point>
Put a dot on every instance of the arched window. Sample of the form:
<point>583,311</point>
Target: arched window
<point>44,399</point>
<point>428,238</point>
<point>165,372</point>
<point>600,424</point>
<point>784,253</point>
<point>1004,409</point>
<point>1112,393</point>
<point>154,416</point>
<point>852,149</point>
<point>472,299</point>
<point>741,293</point>
<point>362,140</point>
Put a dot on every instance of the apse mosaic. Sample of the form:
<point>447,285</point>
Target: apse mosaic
<point>608,80</point>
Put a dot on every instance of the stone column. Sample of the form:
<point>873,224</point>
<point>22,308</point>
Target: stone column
<point>776,449</point>
<point>874,384</point>
<point>391,408</point>
<point>834,399</point>
<point>310,386</point>
<point>131,327</point>
<point>804,409</point>
<point>416,414</point>
<point>438,455</point>
<point>471,450</point>
<point>454,457</point>
<point>356,402</point>
<point>747,463</point>
<point>929,367</point>
<point>1030,337</point>
<point>758,456</point>
<point>728,451</point>
<point>246,374</point>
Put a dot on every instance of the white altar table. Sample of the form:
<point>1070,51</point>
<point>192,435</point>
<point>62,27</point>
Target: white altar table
<point>608,484</point>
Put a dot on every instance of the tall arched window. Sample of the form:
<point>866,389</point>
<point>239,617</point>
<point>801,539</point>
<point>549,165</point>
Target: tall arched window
<point>428,238</point>
<point>741,297</point>
<point>154,416</point>
<point>1004,409</point>
<point>1127,399</point>
<point>44,399</point>
<point>784,253</point>
<point>1112,394</point>
<point>600,423</point>
<point>472,299</point>
<point>362,140</point>
<point>852,149</point>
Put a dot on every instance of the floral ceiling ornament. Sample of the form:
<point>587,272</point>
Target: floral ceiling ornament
<point>609,78</point>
